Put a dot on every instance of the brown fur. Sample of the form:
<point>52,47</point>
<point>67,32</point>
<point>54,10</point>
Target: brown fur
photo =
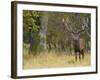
<point>80,53</point>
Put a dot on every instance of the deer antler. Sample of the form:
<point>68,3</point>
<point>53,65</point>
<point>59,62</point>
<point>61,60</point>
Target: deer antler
<point>83,26</point>
<point>86,25</point>
<point>67,25</point>
<point>85,22</point>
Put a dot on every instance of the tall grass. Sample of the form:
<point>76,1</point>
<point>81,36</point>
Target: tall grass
<point>52,59</point>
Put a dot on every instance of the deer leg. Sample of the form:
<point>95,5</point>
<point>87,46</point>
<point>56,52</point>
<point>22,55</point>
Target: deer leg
<point>82,52</point>
<point>79,56</point>
<point>75,56</point>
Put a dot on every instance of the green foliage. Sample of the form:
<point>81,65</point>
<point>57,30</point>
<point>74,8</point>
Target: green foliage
<point>30,23</point>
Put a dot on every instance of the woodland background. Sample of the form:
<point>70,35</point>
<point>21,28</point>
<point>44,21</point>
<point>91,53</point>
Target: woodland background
<point>45,30</point>
<point>50,41</point>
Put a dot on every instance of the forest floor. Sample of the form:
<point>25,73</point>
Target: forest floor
<point>48,60</point>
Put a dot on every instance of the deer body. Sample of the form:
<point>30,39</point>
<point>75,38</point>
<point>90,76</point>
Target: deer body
<point>78,45</point>
<point>79,48</point>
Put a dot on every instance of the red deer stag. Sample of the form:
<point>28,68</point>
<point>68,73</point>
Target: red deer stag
<point>78,43</point>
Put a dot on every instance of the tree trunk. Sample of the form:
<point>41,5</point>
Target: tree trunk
<point>43,30</point>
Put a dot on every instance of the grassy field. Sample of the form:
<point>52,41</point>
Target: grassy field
<point>48,60</point>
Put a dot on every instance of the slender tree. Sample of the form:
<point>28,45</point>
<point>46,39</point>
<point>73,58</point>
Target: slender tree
<point>43,30</point>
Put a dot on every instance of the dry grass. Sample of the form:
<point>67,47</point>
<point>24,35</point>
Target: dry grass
<point>46,60</point>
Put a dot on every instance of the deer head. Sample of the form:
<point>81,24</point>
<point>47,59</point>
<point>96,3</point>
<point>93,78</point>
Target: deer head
<point>68,28</point>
